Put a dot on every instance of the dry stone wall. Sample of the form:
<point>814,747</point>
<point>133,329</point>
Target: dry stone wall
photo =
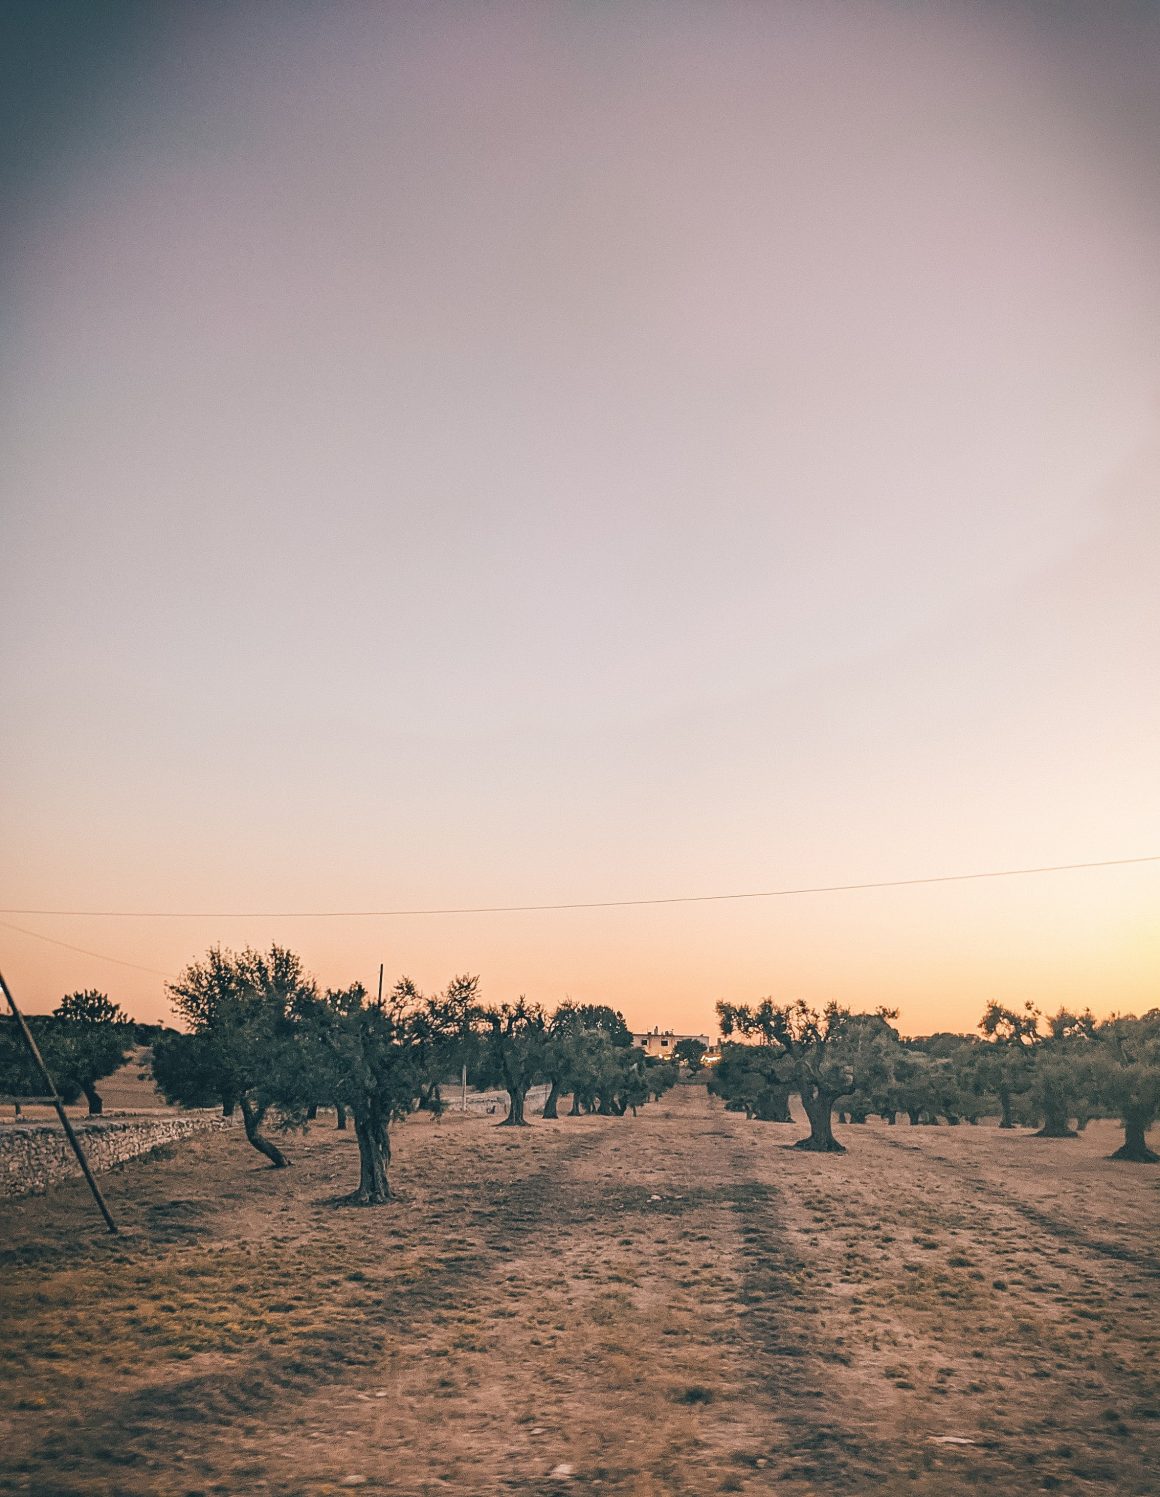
<point>495,1101</point>
<point>34,1156</point>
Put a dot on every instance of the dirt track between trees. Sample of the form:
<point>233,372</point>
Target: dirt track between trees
<point>672,1304</point>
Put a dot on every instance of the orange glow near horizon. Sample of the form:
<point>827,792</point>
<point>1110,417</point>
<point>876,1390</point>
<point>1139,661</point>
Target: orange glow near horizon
<point>918,950</point>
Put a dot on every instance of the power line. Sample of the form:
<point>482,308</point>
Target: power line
<point>593,904</point>
<point>98,955</point>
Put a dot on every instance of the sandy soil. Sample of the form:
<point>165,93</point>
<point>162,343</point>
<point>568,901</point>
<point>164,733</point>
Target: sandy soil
<point>672,1304</point>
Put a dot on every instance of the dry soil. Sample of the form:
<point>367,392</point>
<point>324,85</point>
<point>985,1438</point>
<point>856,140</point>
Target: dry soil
<point>677,1303</point>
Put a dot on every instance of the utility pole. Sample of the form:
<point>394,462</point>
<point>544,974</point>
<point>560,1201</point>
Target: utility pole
<point>34,1051</point>
<point>380,984</point>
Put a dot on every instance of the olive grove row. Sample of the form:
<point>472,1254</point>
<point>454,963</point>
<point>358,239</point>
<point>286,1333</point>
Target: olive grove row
<point>264,1041</point>
<point>1022,1067</point>
<point>263,1038</point>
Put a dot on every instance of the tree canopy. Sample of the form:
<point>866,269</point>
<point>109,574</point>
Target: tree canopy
<point>241,1011</point>
<point>85,1038</point>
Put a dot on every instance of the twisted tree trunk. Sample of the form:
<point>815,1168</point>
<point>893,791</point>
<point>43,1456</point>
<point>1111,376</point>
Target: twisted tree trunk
<point>374,1157</point>
<point>819,1106</point>
<point>553,1098</point>
<point>252,1119</point>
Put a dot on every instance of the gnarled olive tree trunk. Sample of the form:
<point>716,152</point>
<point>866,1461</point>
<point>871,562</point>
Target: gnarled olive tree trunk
<point>252,1119</point>
<point>515,1117</point>
<point>819,1105</point>
<point>1135,1146</point>
<point>374,1158</point>
<point>553,1099</point>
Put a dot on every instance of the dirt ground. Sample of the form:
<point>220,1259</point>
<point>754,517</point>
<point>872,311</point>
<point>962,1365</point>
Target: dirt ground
<point>676,1303</point>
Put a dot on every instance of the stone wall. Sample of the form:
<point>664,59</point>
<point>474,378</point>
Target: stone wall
<point>34,1156</point>
<point>495,1102</point>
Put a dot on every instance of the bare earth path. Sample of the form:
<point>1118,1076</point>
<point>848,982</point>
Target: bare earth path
<point>672,1304</point>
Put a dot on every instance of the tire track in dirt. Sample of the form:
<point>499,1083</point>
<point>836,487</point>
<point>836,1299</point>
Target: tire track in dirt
<point>662,1304</point>
<point>618,1267</point>
<point>965,1312</point>
<point>621,1352</point>
<point>1051,1225</point>
<point>820,1440</point>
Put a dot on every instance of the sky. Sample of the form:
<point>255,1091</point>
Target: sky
<point>549,454</point>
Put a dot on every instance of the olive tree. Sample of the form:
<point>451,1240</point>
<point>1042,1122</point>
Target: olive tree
<point>378,1056</point>
<point>1003,1065</point>
<point>596,1054</point>
<point>240,1008</point>
<point>443,1030</point>
<point>690,1052</point>
<point>824,1055</point>
<point>83,1040</point>
<point>1043,1061</point>
<point>748,1078</point>
<point>660,1076</point>
<point>90,1038</point>
<point>1060,1067</point>
<point>513,1044</point>
<point>1126,1073</point>
<point>753,1074</point>
<point>20,1078</point>
<point>563,1056</point>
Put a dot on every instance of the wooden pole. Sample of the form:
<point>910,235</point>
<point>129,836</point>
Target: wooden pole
<point>381,984</point>
<point>34,1051</point>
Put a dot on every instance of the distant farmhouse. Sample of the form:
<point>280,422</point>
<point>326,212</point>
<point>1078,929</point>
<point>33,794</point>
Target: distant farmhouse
<point>662,1043</point>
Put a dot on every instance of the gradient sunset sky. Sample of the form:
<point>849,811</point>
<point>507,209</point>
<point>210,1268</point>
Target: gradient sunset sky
<point>489,455</point>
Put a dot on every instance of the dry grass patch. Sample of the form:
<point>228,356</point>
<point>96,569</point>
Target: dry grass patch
<point>675,1304</point>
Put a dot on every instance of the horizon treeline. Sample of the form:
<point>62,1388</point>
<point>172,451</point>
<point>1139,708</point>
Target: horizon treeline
<point>262,1039</point>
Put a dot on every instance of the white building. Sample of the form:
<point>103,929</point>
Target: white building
<point>662,1042</point>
